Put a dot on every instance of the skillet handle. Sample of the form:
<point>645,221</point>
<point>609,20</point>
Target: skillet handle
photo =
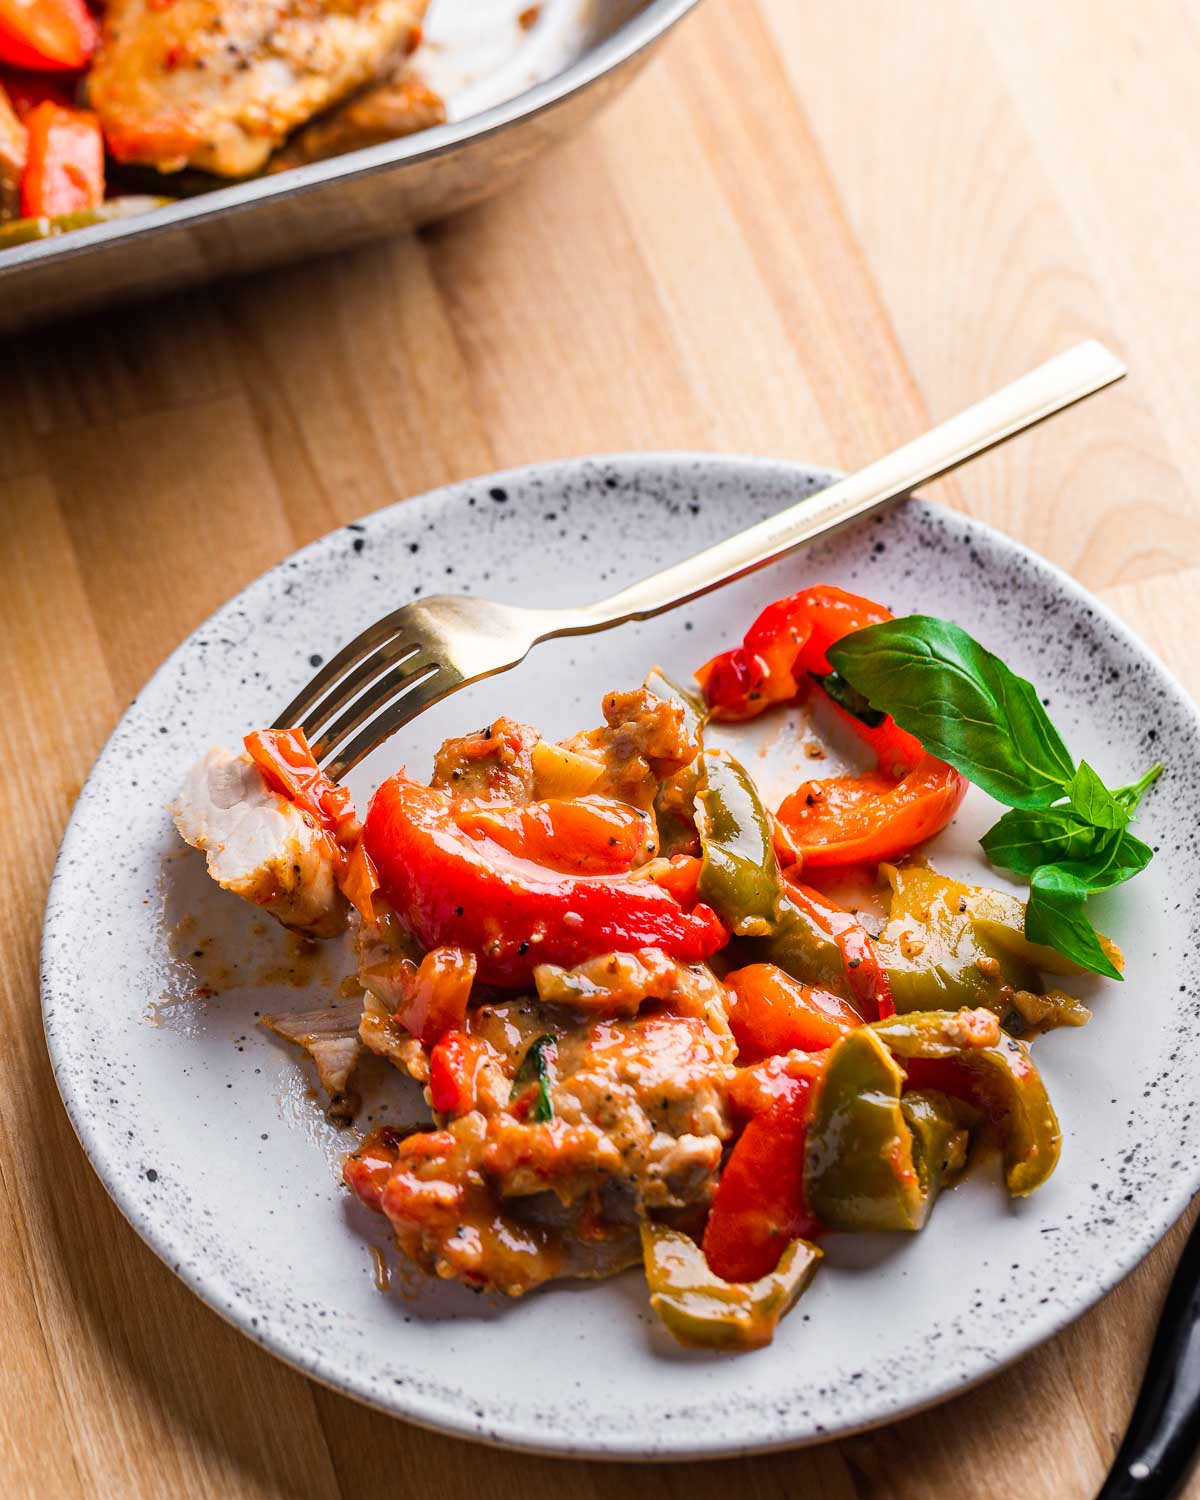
<point>1164,1431</point>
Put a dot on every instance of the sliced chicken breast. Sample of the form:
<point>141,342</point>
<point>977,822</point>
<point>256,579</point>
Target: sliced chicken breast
<point>381,112</point>
<point>329,1034</point>
<point>220,84</point>
<point>258,845</point>
<point>638,1120</point>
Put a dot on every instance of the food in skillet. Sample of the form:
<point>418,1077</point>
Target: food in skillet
<point>228,87</point>
<point>646,1031</point>
<point>220,84</point>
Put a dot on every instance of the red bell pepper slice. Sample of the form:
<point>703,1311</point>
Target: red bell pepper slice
<point>290,768</point>
<point>865,974</point>
<point>453,1066</point>
<point>64,168</point>
<point>55,35</point>
<point>772,1013</point>
<point>731,686</point>
<point>288,764</point>
<point>788,640</point>
<point>743,682</point>
<point>833,613</point>
<point>753,1090</point>
<point>512,913</point>
<point>358,880</point>
<point>583,836</point>
<point>366,1171</point>
<point>435,999</point>
<point>896,751</point>
<point>680,874</point>
<point>850,820</point>
<point>786,643</point>
<point>759,1206</point>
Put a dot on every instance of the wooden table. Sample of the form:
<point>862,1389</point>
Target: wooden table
<point>804,232</point>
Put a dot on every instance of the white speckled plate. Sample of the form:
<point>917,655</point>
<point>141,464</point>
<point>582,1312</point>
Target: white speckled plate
<point>199,1123</point>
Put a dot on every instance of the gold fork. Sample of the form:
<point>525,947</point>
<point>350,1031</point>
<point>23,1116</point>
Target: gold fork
<point>426,650</point>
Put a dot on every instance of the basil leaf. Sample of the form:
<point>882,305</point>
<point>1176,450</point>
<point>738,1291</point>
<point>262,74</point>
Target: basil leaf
<point>1119,860</point>
<point>1055,915</point>
<point>1026,838</point>
<point>849,698</point>
<point>537,1070</point>
<point>1022,841</point>
<point>962,703</point>
<point>1093,801</point>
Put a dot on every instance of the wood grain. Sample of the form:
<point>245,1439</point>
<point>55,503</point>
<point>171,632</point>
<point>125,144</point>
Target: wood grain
<point>804,231</point>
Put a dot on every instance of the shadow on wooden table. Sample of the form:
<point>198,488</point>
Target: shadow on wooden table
<point>171,1366</point>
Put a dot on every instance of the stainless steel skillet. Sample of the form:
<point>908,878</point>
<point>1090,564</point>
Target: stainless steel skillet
<point>348,199</point>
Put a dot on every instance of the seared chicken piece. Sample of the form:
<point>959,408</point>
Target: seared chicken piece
<point>400,106</point>
<point>259,846</point>
<point>493,765</point>
<point>330,1037</point>
<point>644,748</point>
<point>638,1120</point>
<point>12,159</point>
<point>219,84</point>
<point>617,984</point>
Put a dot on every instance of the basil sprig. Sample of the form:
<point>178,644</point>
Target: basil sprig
<point>962,703</point>
<point>1067,832</point>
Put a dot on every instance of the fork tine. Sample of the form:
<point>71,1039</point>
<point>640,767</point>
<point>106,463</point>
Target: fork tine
<point>349,656</point>
<point>394,652</point>
<point>420,694</point>
<point>413,669</point>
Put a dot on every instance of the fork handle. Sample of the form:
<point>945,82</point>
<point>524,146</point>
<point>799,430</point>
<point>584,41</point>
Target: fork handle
<point>1059,383</point>
<point>1160,1443</point>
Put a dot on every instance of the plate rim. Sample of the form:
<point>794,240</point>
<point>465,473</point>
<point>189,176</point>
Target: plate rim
<point>428,1410</point>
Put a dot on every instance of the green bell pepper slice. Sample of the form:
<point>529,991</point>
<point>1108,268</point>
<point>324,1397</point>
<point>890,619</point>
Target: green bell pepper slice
<point>940,1128</point>
<point>1003,1082</point>
<point>801,948</point>
<point>704,1312</point>
<point>939,1034</point>
<point>739,874</point>
<point>948,945</point>
<point>42,227</point>
<point>999,919</point>
<point>859,1171</point>
<point>741,881</point>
